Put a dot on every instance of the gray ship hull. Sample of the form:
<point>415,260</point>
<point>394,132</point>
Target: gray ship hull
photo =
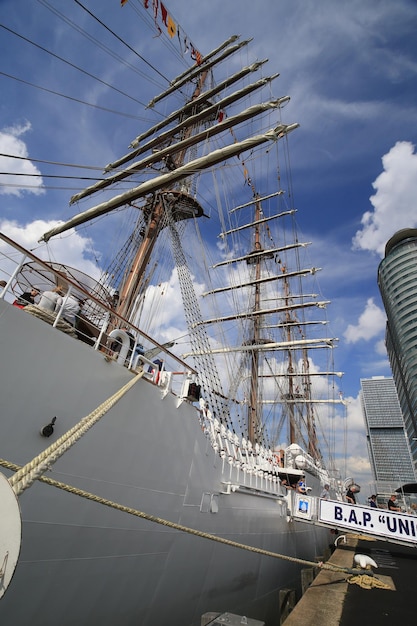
<point>84,563</point>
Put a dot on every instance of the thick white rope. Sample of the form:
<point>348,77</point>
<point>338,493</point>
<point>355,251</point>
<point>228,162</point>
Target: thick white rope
<point>30,472</point>
<point>180,527</point>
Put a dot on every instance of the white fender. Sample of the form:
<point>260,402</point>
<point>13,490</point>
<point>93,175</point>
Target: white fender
<point>364,561</point>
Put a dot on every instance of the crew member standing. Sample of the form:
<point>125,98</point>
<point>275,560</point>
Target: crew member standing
<point>350,496</point>
<point>392,505</point>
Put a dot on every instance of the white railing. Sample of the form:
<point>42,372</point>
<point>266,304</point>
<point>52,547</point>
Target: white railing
<point>244,464</point>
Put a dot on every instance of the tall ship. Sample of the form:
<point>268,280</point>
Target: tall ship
<point>153,463</point>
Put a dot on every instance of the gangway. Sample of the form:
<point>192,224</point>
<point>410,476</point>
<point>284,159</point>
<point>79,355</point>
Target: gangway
<point>391,526</point>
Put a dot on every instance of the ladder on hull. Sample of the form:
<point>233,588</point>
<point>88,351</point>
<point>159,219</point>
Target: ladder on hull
<point>385,525</point>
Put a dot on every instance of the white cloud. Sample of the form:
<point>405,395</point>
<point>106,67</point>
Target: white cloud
<point>351,446</point>
<point>371,322</point>
<point>70,250</point>
<point>394,200</point>
<point>380,348</point>
<point>25,176</point>
<point>359,467</point>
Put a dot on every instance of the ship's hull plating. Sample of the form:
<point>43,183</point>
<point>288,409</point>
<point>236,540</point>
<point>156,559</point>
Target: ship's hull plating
<point>84,563</point>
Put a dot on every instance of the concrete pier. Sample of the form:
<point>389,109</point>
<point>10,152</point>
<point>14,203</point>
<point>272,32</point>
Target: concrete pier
<point>331,600</point>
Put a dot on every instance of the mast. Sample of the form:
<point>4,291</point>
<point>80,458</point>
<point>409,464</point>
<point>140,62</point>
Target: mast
<point>180,206</point>
<point>253,419</point>
<point>290,368</point>
<point>311,426</point>
<point>131,287</point>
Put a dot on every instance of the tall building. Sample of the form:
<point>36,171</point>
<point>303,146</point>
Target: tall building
<point>389,451</point>
<point>397,281</point>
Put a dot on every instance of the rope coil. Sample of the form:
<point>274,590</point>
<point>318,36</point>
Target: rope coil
<point>366,581</point>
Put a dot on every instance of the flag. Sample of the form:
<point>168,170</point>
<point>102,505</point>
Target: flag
<point>171,27</point>
<point>195,55</point>
<point>164,14</point>
<point>161,12</point>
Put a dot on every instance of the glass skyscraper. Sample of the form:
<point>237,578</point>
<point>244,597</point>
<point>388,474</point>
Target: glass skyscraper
<point>388,447</point>
<point>397,281</point>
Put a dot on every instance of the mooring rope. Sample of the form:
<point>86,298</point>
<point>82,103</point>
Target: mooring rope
<point>30,472</point>
<point>180,527</point>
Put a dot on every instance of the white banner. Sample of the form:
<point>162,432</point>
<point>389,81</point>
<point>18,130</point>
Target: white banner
<point>380,522</point>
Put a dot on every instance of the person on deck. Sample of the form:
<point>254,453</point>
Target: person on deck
<point>71,308</point>
<point>131,338</point>
<point>158,363</point>
<point>350,497</point>
<point>28,297</point>
<point>51,300</point>
<point>156,370</point>
<point>392,504</point>
<point>325,494</point>
<point>139,351</point>
<point>301,486</point>
<point>372,502</point>
<point>132,342</point>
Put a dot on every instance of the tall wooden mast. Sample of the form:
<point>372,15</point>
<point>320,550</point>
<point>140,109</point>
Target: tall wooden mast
<point>132,285</point>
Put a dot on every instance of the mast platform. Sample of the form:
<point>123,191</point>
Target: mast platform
<point>382,524</point>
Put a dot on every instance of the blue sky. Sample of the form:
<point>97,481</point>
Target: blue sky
<point>351,70</point>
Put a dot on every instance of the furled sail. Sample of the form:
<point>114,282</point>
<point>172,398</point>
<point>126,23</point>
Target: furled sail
<point>164,180</point>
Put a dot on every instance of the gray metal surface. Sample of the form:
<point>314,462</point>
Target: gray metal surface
<point>83,563</point>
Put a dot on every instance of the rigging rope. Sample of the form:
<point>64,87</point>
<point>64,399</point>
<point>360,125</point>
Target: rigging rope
<point>27,474</point>
<point>174,525</point>
<point>208,374</point>
<point>71,65</point>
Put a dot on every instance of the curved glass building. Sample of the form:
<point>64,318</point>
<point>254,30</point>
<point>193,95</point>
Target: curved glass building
<point>397,281</point>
